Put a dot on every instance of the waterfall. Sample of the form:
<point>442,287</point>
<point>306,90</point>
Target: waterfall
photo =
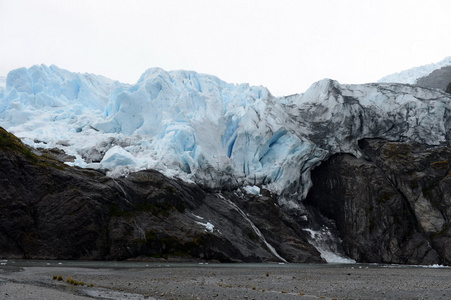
<point>326,244</point>
<point>123,191</point>
<point>256,230</point>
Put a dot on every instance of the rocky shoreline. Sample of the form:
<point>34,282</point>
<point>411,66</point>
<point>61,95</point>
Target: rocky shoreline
<point>224,281</point>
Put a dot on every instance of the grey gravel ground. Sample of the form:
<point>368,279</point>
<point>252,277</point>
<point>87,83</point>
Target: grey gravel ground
<point>216,281</point>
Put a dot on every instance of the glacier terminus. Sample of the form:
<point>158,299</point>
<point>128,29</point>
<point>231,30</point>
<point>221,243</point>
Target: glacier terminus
<point>220,136</point>
<point>202,129</point>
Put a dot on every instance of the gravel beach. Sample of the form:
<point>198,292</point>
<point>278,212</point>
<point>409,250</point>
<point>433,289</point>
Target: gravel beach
<point>25,280</point>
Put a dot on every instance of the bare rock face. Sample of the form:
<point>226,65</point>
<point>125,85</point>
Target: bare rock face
<point>49,210</point>
<point>438,79</point>
<point>390,206</point>
<point>448,88</point>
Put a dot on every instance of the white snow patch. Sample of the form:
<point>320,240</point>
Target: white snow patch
<point>197,217</point>
<point>437,266</point>
<point>208,226</point>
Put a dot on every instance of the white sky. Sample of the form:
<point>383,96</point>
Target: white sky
<point>285,45</point>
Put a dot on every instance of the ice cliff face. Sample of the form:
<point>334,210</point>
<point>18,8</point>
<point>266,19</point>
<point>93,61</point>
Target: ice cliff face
<point>219,135</point>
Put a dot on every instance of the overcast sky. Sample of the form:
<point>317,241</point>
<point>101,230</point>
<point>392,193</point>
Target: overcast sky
<point>285,45</point>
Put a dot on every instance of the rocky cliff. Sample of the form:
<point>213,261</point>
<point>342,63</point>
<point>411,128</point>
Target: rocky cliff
<point>49,210</point>
<point>393,205</point>
<point>438,79</point>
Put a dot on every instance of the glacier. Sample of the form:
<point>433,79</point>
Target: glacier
<point>219,135</point>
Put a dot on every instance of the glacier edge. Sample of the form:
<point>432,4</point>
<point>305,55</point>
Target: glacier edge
<point>204,130</point>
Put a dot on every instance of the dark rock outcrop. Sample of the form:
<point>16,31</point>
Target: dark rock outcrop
<point>438,79</point>
<point>448,88</point>
<point>392,206</point>
<point>49,210</point>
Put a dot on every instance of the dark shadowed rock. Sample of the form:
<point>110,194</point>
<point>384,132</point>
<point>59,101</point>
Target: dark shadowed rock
<point>393,206</point>
<point>438,79</point>
<point>448,88</point>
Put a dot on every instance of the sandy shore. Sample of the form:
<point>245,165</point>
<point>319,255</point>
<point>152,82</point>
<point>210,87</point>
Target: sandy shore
<point>216,281</point>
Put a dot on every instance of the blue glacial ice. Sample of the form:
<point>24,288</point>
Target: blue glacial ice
<point>201,129</point>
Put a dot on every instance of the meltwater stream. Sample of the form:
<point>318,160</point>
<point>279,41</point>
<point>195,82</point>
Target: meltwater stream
<point>256,230</point>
